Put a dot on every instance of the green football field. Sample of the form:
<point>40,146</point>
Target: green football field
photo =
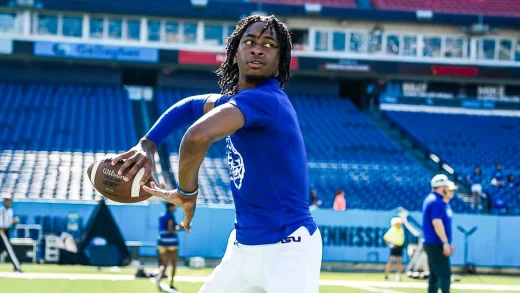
<point>80,279</point>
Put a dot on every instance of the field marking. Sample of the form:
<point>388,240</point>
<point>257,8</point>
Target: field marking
<point>183,279</point>
<point>373,289</point>
<point>419,285</point>
<point>56,276</point>
<point>376,285</point>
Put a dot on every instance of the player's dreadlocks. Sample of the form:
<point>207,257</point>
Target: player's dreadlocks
<point>228,71</point>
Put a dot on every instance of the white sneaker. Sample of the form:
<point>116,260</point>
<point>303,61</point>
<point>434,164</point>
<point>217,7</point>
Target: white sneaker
<point>398,278</point>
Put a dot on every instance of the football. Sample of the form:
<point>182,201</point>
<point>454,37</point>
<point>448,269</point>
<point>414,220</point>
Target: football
<point>111,185</point>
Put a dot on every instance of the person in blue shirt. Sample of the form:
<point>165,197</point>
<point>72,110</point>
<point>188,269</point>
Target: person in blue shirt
<point>498,178</point>
<point>167,243</point>
<point>476,186</point>
<point>499,201</point>
<point>511,182</point>
<point>275,244</point>
<point>437,232</point>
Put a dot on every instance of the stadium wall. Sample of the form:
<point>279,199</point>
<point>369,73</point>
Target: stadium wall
<point>206,81</point>
<point>351,236</point>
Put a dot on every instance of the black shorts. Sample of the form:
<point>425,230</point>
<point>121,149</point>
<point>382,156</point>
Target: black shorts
<point>396,251</point>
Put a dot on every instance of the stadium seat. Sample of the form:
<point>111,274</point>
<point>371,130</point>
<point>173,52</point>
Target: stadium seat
<point>344,148</point>
<point>59,131</point>
<point>465,141</point>
<point>330,3</point>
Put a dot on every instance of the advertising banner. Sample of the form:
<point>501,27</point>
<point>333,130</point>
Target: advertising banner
<point>214,58</point>
<point>96,52</point>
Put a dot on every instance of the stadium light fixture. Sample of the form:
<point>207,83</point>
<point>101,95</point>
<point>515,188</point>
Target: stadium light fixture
<point>313,8</point>
<point>199,3</point>
<point>477,29</point>
<point>424,15</point>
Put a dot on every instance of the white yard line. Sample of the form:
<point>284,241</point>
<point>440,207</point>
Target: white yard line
<point>365,285</point>
<point>418,285</point>
<point>373,289</point>
<point>56,276</point>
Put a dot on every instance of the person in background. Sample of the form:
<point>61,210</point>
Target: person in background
<point>314,201</point>
<point>475,180</point>
<point>394,238</point>
<point>437,232</point>
<point>511,182</point>
<point>167,244</point>
<point>340,203</point>
<point>498,178</point>
<point>499,201</point>
<point>6,222</point>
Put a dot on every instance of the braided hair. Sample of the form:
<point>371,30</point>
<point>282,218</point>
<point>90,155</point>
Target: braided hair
<point>228,72</point>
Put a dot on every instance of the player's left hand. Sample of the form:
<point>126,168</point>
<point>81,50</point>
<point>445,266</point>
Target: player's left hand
<point>188,203</point>
<point>15,220</point>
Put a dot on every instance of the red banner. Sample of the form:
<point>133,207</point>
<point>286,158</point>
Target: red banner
<point>212,58</point>
<point>451,70</point>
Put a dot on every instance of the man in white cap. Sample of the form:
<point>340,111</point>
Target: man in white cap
<point>437,232</point>
<point>6,221</point>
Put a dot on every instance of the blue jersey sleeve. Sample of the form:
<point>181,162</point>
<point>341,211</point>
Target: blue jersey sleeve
<point>258,110</point>
<point>180,114</point>
<point>438,211</point>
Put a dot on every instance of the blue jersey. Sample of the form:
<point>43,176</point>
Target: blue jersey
<point>164,238</point>
<point>435,208</point>
<point>476,178</point>
<point>498,175</point>
<point>268,167</point>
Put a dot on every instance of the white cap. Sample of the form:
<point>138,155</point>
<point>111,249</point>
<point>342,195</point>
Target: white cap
<point>395,221</point>
<point>5,196</point>
<point>442,180</point>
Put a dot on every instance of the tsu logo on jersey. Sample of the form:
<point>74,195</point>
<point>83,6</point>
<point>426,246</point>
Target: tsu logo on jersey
<point>292,239</point>
<point>237,169</point>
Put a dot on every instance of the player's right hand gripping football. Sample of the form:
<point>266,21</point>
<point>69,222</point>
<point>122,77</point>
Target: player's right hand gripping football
<point>188,203</point>
<point>140,156</point>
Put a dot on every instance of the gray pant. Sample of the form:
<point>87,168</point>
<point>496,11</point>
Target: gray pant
<point>440,269</point>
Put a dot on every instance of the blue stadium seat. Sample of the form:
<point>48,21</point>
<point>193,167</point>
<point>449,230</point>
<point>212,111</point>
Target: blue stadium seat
<point>465,141</point>
<point>345,150</point>
<point>51,133</point>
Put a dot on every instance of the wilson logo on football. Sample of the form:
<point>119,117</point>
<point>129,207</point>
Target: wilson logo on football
<point>111,173</point>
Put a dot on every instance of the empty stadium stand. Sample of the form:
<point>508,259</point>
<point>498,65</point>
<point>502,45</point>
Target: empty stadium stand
<point>51,133</point>
<point>345,150</point>
<point>479,7</point>
<point>465,141</point>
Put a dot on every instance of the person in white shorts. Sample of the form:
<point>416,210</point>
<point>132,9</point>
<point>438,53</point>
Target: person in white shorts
<point>276,245</point>
<point>476,186</point>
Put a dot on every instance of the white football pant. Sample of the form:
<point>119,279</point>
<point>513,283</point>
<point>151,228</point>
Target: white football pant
<point>290,266</point>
